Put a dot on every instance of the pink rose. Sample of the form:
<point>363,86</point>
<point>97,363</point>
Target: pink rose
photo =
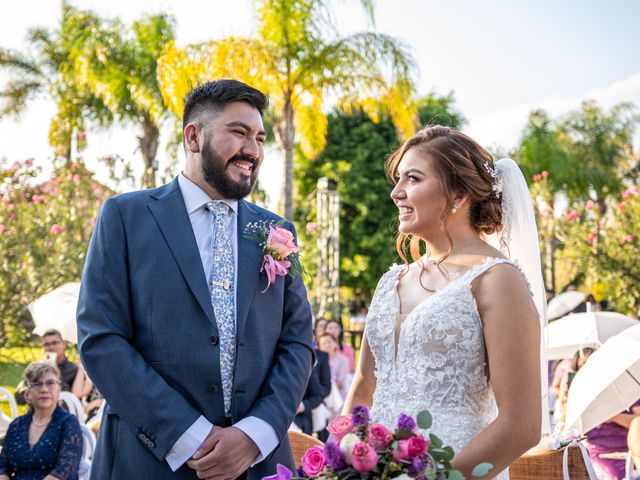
<point>379,436</point>
<point>280,242</point>
<point>364,458</point>
<point>401,452</point>
<point>56,229</point>
<point>340,426</point>
<point>313,461</point>
<point>417,446</point>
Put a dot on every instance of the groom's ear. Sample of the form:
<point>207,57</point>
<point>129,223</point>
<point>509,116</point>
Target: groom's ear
<point>191,138</point>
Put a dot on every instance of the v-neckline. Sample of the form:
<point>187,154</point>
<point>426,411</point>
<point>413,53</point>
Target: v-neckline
<point>397,326</point>
<point>32,447</point>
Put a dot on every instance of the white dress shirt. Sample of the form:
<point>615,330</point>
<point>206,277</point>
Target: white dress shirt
<point>262,434</point>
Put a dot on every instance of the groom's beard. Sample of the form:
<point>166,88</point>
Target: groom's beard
<point>214,170</point>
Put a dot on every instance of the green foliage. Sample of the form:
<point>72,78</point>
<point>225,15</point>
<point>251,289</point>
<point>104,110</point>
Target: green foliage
<point>604,246</point>
<point>44,232</point>
<point>354,158</point>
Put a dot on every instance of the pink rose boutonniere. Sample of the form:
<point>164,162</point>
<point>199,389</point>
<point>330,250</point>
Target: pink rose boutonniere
<point>280,252</point>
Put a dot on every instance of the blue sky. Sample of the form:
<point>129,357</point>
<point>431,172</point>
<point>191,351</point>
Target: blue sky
<point>501,58</point>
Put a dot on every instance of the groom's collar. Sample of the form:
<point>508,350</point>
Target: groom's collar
<point>194,197</point>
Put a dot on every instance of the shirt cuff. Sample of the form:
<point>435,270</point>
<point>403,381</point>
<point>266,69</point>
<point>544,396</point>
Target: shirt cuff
<point>188,443</point>
<point>262,434</point>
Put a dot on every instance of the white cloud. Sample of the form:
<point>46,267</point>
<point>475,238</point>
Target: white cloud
<point>503,127</point>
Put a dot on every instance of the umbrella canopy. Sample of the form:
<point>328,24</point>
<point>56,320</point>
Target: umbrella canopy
<point>57,309</point>
<point>568,334</point>
<point>607,384</point>
<point>564,303</point>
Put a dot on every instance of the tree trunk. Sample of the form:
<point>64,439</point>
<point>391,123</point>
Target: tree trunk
<point>148,143</point>
<point>285,136</point>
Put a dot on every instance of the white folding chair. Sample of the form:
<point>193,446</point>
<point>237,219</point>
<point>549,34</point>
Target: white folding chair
<point>74,407</point>
<point>88,448</point>
<point>8,396</point>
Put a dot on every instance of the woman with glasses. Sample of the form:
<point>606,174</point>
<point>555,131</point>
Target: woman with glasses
<point>46,442</point>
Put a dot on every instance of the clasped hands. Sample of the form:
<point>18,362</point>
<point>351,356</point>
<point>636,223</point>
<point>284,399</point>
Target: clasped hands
<point>224,455</point>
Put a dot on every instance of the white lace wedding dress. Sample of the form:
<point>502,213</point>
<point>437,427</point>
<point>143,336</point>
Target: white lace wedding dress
<point>440,361</point>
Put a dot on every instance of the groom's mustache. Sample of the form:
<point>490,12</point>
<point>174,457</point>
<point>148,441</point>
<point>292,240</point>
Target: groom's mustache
<point>243,158</point>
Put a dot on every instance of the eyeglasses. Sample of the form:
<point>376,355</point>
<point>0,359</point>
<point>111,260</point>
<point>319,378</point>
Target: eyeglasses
<point>50,384</point>
<point>51,344</point>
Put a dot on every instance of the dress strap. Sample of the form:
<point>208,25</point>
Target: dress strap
<point>475,272</point>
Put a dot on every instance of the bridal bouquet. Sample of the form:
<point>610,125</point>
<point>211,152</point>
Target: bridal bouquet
<point>359,449</point>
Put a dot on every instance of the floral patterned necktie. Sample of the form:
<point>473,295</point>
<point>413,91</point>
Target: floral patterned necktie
<point>222,297</point>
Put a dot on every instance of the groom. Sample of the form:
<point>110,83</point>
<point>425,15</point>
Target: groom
<point>202,369</point>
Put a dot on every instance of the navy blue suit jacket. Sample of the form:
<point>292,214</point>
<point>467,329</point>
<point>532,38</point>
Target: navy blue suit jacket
<point>148,337</point>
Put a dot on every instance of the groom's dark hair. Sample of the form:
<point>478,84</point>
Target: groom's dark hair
<point>216,95</point>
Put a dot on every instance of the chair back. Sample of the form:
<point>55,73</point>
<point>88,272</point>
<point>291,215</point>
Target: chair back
<point>88,442</point>
<point>8,396</point>
<point>548,466</point>
<point>300,442</point>
<point>73,405</point>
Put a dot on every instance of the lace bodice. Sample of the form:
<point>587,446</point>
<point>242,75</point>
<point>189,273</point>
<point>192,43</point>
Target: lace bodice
<point>440,359</point>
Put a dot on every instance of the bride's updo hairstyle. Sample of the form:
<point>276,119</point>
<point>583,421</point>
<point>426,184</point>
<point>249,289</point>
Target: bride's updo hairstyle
<point>461,166</point>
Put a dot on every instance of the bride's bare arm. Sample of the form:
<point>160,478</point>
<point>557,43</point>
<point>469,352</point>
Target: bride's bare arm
<point>364,380</point>
<point>512,339</point>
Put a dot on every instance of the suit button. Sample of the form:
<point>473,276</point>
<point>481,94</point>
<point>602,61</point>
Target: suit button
<point>213,388</point>
<point>214,340</point>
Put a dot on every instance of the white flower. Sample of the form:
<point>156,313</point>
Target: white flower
<point>403,476</point>
<point>347,443</point>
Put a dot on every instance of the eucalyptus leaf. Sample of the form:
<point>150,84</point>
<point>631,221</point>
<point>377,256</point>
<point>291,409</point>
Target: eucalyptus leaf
<point>403,434</point>
<point>435,441</point>
<point>482,469</point>
<point>455,475</point>
<point>424,420</point>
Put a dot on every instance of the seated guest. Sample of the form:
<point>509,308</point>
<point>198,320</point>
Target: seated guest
<point>54,346</point>
<point>85,390</point>
<point>334,327</point>
<point>311,399</point>
<point>338,363</point>
<point>46,442</point>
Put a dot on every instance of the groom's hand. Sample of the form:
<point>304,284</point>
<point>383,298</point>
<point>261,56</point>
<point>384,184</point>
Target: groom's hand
<point>225,454</point>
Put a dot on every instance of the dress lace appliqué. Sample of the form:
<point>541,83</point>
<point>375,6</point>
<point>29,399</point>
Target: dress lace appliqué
<point>440,359</point>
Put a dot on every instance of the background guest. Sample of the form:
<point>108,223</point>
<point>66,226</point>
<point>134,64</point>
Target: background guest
<point>334,327</point>
<point>338,363</point>
<point>85,390</point>
<point>54,347</point>
<point>46,442</point>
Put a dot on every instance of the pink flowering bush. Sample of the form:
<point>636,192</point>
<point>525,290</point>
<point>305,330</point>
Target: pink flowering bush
<point>601,241</point>
<point>45,226</point>
<point>359,449</point>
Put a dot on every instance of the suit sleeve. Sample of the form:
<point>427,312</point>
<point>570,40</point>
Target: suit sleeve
<point>156,413</point>
<point>287,380</point>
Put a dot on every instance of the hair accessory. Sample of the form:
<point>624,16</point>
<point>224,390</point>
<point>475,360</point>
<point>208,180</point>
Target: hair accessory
<point>495,176</point>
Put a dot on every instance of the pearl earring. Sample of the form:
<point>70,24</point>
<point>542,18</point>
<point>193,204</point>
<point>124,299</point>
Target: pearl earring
<point>454,209</point>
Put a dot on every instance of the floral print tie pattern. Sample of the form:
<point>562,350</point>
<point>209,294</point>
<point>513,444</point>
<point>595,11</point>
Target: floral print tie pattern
<point>222,296</point>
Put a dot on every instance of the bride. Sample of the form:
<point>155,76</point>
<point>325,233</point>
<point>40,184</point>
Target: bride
<point>456,330</point>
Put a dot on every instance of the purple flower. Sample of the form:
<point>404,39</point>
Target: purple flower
<point>406,422</point>
<point>300,473</point>
<point>417,467</point>
<point>360,417</point>
<point>334,456</point>
<point>283,473</point>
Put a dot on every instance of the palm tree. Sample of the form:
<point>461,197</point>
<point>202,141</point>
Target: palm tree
<point>294,62</point>
<point>51,73</point>
<point>120,68</point>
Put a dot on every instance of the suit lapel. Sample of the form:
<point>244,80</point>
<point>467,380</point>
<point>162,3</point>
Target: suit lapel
<point>172,218</point>
<point>249,263</point>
